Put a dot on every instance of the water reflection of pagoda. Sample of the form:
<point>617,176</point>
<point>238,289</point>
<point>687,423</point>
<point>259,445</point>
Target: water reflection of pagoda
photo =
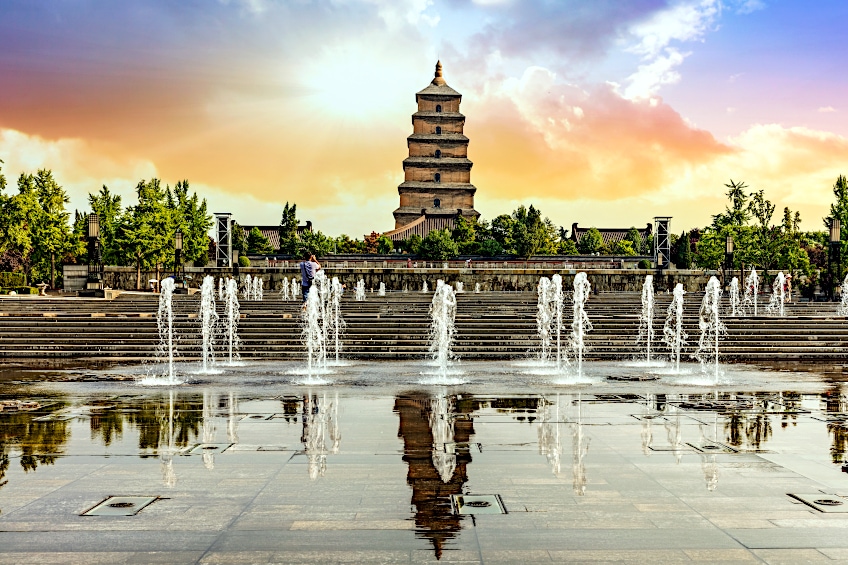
<point>434,518</point>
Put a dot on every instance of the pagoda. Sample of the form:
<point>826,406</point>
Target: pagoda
<point>437,174</point>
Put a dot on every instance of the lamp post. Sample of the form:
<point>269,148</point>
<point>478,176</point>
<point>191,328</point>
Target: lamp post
<point>728,253</point>
<point>94,280</point>
<point>178,250</point>
<point>835,252</point>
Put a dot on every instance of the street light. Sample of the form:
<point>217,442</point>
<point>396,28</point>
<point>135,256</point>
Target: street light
<point>178,249</point>
<point>728,253</point>
<point>94,280</point>
<point>835,252</point>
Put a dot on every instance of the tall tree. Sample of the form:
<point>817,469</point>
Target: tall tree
<point>145,231</point>
<point>737,212</point>
<point>257,242</point>
<point>191,217</point>
<point>107,206</point>
<point>288,229</point>
<point>52,231</point>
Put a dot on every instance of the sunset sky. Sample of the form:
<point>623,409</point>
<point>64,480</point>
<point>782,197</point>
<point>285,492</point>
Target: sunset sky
<point>602,112</point>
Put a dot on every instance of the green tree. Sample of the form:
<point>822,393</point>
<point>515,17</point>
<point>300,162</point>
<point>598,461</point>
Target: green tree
<point>314,242</point>
<point>190,216</point>
<point>438,246</point>
<point>145,232</point>
<point>258,243</point>
<point>683,258</point>
<point>635,240</point>
<point>239,241</point>
<point>344,244</point>
<point>590,242</point>
<point>288,229</point>
<point>737,212</point>
<point>767,240</point>
<point>490,248</point>
<point>567,247</point>
<point>623,247</point>
<point>384,245</point>
<point>107,206</point>
<point>413,243</point>
<point>502,231</point>
<point>51,232</point>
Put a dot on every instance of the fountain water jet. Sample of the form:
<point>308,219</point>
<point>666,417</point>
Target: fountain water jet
<point>842,309</point>
<point>711,326</point>
<point>247,291</point>
<point>231,311</point>
<point>752,288</point>
<point>459,287</point>
<point>442,328</point>
<point>580,323</point>
<point>778,295</point>
<point>359,294</point>
<point>382,290</point>
<point>258,290</point>
<point>221,289</point>
<point>424,287</point>
<point>735,302</point>
<point>165,323</point>
<point>543,318</point>
<point>673,334</point>
<point>284,289</point>
<point>313,334</point>
<point>477,288</point>
<point>646,318</point>
<point>208,322</point>
<point>295,289</point>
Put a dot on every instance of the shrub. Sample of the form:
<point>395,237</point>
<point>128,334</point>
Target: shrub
<point>591,242</point>
<point>244,261</point>
<point>8,279</point>
<point>26,290</point>
<point>438,246</point>
<point>644,264</point>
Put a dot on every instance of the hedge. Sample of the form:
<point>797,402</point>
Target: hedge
<point>8,279</point>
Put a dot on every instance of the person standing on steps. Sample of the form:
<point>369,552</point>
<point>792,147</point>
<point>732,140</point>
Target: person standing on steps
<point>308,267</point>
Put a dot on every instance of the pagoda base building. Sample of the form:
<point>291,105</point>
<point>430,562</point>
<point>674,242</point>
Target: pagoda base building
<point>437,185</point>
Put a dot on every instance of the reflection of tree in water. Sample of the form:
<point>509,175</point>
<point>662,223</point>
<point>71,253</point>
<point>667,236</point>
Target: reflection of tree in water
<point>40,443</point>
<point>836,403</point>
<point>434,518</point>
<point>151,418</point>
<point>751,429</point>
<point>106,420</point>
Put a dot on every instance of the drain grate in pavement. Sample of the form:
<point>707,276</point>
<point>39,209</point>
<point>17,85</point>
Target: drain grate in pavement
<point>823,502</point>
<point>632,378</point>
<point>713,447</point>
<point>119,506</point>
<point>208,448</point>
<point>672,448</point>
<point>477,504</point>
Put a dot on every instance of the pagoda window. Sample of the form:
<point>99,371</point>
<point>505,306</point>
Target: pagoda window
<point>437,203</point>
<point>438,153</point>
<point>438,107</point>
<point>437,177</point>
<point>438,130</point>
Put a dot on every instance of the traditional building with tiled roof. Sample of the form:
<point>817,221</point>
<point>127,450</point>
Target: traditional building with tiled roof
<point>610,235</point>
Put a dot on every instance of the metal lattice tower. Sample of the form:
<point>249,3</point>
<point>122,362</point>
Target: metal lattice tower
<point>223,239</point>
<point>662,243</point>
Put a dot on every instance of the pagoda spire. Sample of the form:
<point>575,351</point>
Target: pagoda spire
<point>438,80</point>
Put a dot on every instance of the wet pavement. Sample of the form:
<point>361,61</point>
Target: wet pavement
<point>383,465</point>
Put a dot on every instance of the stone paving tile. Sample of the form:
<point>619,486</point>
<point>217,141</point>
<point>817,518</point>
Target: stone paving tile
<point>619,556</point>
<point>352,525</point>
<point>721,555</point>
<point>789,538</point>
<point>837,553</point>
<point>791,556</point>
<point>92,541</point>
<point>95,557</point>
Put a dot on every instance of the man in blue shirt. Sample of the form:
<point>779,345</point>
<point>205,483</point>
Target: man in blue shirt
<point>308,267</point>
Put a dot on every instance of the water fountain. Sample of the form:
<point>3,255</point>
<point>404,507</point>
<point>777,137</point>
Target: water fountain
<point>441,425</point>
<point>842,309</point>
<point>258,288</point>
<point>295,289</point>
<point>335,324</point>
<point>442,328</point>
<point>477,288</point>
<point>221,289</point>
<point>313,334</point>
<point>752,288</point>
<point>459,287</point>
<point>165,323</point>
<point>231,312</point>
<point>247,291</point>
<point>646,318</point>
<point>543,318</point>
<point>284,289</point>
<point>580,323</point>
<point>711,326</point>
<point>778,295</point>
<point>673,334</point>
<point>382,290</point>
<point>359,294</point>
<point>424,287</point>
<point>208,322</point>
<point>735,301</point>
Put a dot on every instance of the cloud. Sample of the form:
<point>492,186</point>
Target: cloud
<point>827,110</point>
<point>748,6</point>
<point>648,79</point>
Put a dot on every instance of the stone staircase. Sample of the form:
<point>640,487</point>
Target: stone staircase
<point>495,325</point>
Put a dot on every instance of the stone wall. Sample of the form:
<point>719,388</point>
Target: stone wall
<point>614,280</point>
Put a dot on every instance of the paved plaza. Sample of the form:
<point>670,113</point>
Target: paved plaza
<point>382,467</point>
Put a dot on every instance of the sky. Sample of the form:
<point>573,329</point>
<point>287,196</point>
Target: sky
<point>604,112</point>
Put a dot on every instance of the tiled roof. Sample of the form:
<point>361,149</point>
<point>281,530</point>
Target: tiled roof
<point>610,235</point>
